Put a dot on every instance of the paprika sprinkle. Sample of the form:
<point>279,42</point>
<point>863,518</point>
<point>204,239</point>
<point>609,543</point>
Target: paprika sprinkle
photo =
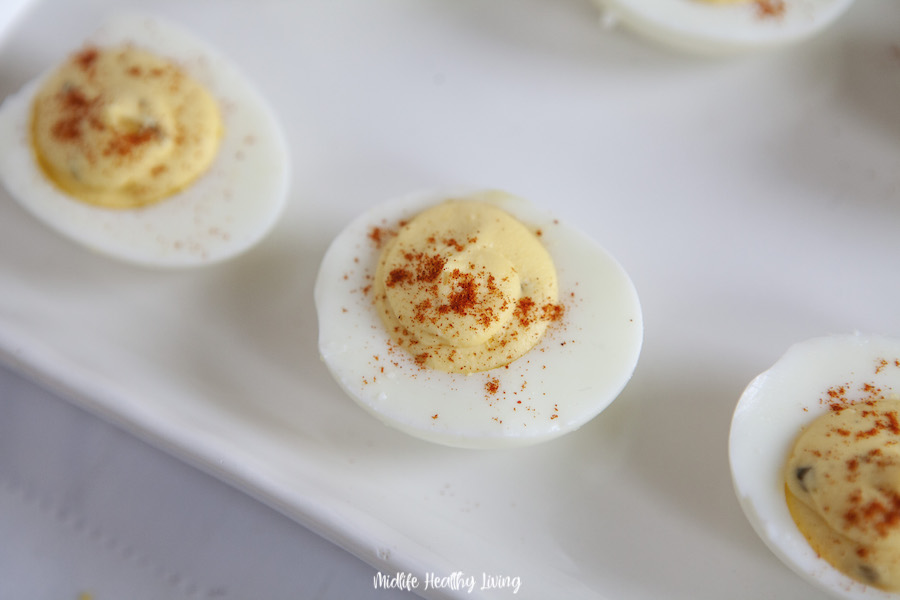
<point>469,286</point>
<point>842,483</point>
<point>120,127</point>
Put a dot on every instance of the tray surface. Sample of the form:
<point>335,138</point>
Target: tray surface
<point>752,200</point>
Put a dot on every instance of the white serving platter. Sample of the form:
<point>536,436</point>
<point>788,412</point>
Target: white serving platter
<point>753,200</point>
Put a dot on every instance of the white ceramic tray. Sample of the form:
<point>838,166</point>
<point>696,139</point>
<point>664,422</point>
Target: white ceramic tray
<point>753,200</point>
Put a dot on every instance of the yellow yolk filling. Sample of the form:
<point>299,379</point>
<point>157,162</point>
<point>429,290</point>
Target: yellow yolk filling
<point>122,128</point>
<point>465,287</point>
<point>842,482</point>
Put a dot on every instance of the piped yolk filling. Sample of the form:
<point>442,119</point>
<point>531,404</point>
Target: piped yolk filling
<point>121,127</point>
<point>842,483</point>
<point>465,287</point>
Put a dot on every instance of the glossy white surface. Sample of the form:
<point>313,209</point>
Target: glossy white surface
<point>577,369</point>
<point>753,202</point>
<point>769,417</point>
<point>227,210</point>
<point>708,26</point>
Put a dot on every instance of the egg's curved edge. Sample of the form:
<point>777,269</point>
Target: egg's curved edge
<point>331,351</point>
<point>675,24</point>
<point>757,469</point>
<point>413,429</point>
<point>771,522</point>
<point>139,236</point>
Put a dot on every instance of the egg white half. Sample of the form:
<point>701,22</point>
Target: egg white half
<point>767,420</point>
<point>710,27</point>
<point>577,369</point>
<point>226,211</point>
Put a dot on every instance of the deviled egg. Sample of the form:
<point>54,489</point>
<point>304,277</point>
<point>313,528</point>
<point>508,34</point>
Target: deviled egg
<point>716,26</point>
<point>475,320</point>
<point>147,146</point>
<point>815,452</point>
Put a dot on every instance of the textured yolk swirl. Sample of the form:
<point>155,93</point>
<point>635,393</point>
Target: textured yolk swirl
<point>842,483</point>
<point>466,287</point>
<point>120,127</point>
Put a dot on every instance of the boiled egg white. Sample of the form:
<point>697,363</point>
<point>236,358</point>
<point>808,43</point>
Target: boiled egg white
<point>577,369</point>
<point>716,26</point>
<point>231,207</point>
<point>773,410</point>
